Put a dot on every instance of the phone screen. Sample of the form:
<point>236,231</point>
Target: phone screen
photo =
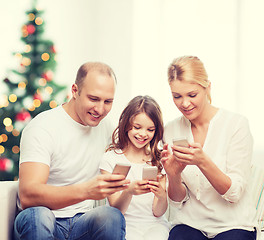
<point>121,169</point>
<point>181,142</point>
<point>150,173</point>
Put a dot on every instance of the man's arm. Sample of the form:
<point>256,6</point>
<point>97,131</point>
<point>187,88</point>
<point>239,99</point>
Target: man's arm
<point>34,190</point>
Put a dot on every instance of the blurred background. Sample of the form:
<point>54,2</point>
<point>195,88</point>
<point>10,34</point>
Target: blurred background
<point>139,39</point>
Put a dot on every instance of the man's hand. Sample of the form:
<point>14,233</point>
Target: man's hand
<point>104,185</point>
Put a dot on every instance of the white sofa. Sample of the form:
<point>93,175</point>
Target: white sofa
<point>8,196</point>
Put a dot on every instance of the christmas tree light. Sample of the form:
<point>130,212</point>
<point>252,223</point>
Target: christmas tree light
<point>31,90</point>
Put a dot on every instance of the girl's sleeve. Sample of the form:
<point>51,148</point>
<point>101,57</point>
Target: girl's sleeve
<point>106,163</point>
<point>239,156</point>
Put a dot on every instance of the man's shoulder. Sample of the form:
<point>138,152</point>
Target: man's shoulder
<point>50,113</point>
<point>46,119</point>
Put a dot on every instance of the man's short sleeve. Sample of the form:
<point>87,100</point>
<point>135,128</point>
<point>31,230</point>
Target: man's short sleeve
<point>36,145</point>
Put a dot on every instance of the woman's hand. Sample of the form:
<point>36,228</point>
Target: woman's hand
<point>170,163</point>
<point>194,155</point>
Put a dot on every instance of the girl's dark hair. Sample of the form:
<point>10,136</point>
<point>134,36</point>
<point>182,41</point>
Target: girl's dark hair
<point>140,104</point>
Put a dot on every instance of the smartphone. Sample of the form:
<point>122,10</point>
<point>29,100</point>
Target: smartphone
<point>150,173</point>
<point>122,169</point>
<point>183,142</point>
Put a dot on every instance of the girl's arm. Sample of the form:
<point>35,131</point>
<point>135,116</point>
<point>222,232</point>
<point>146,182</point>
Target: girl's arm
<point>160,202</point>
<point>121,200</point>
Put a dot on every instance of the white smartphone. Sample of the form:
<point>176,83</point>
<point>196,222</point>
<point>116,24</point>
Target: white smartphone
<point>150,173</point>
<point>121,169</point>
<point>183,142</point>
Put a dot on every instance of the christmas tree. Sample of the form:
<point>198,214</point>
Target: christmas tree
<point>31,90</point>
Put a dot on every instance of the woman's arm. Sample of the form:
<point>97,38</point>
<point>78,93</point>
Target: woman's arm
<point>218,179</point>
<point>196,156</point>
<point>176,189</point>
<point>231,182</point>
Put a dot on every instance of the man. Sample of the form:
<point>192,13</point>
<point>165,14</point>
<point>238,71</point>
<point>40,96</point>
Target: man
<point>60,153</point>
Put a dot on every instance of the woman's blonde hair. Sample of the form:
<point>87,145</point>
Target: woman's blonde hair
<point>189,69</point>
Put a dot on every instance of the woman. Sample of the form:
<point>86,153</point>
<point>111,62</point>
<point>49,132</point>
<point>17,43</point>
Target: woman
<point>207,180</point>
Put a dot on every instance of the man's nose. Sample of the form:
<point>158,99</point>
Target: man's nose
<point>99,107</point>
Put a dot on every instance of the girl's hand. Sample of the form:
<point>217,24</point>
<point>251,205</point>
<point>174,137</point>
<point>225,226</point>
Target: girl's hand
<point>138,187</point>
<point>190,156</point>
<point>157,188</point>
<point>160,202</point>
<point>170,163</point>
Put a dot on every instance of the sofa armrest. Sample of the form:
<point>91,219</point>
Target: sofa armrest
<point>8,198</point>
<point>257,188</point>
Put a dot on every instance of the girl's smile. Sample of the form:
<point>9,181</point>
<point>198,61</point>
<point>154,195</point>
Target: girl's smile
<point>142,131</point>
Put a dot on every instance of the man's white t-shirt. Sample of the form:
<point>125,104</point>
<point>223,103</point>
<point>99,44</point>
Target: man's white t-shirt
<point>71,150</point>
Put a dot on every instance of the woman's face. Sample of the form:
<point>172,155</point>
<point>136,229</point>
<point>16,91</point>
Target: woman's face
<point>189,98</point>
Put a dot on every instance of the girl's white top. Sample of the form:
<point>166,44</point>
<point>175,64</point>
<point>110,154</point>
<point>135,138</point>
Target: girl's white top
<point>140,207</point>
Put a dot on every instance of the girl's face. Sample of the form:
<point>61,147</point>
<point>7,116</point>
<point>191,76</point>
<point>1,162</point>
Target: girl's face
<point>142,131</point>
<point>189,98</point>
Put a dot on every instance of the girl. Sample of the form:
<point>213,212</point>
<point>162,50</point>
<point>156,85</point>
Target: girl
<point>135,142</point>
<point>207,179</point>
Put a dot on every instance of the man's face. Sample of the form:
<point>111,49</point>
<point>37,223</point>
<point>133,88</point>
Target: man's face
<point>95,99</point>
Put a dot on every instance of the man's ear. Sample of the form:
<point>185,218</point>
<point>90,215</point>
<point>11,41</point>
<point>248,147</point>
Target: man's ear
<point>74,90</point>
